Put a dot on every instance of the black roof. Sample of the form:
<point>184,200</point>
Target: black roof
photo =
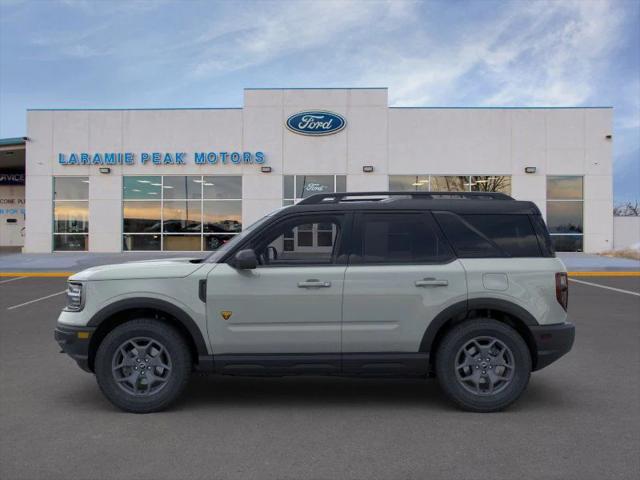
<point>457,202</point>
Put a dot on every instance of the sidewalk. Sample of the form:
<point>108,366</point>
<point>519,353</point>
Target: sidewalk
<point>587,262</point>
<point>76,261</point>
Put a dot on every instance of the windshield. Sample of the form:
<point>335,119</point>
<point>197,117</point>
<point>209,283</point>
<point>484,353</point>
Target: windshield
<point>215,256</point>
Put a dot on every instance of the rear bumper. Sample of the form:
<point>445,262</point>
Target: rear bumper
<point>74,341</point>
<point>552,342</point>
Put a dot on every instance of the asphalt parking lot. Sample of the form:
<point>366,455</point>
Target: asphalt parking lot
<point>580,417</point>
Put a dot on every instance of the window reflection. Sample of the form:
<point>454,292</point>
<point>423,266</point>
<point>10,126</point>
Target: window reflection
<point>172,212</point>
<point>565,212</point>
<point>71,188</point>
<point>71,217</point>
<point>141,242</point>
<point>70,213</point>
<point>182,242</point>
<point>214,242</point>
<point>560,188</point>
<point>142,188</point>
<point>62,243</point>
<point>222,216</point>
<point>141,217</point>
<point>450,183</point>
<point>307,185</point>
<point>567,243</point>
<point>409,183</point>
<point>182,216</point>
<point>491,183</point>
<point>303,186</point>
<point>182,187</point>
<point>564,217</point>
<point>222,187</point>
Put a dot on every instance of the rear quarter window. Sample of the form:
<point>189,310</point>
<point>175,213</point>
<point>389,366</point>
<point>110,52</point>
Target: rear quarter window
<point>490,235</point>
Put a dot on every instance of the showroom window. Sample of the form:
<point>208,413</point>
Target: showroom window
<point>174,213</point>
<point>565,212</point>
<point>450,183</point>
<point>70,213</point>
<point>297,187</point>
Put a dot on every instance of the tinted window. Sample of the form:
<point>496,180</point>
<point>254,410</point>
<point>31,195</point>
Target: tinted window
<point>564,217</point>
<point>567,243</point>
<point>564,188</point>
<point>71,188</point>
<point>467,241</point>
<point>544,240</point>
<point>399,238</point>
<point>141,188</point>
<point>182,187</point>
<point>512,233</point>
<point>221,186</point>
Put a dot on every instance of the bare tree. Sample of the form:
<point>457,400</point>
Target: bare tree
<point>628,209</point>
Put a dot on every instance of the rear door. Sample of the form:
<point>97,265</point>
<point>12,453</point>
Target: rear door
<point>401,274</point>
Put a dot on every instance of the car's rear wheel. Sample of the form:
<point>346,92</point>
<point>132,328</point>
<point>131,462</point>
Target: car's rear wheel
<point>143,365</point>
<point>483,365</point>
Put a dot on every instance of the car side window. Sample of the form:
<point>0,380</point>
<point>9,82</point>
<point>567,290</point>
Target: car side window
<point>302,240</point>
<point>399,238</point>
<point>514,234</point>
<point>467,241</point>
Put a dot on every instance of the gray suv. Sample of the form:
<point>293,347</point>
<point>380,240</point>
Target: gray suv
<point>465,287</point>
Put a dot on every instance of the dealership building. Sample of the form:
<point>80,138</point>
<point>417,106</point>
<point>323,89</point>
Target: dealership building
<point>105,180</point>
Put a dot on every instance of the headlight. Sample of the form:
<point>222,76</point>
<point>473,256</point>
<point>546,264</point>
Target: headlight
<point>75,299</point>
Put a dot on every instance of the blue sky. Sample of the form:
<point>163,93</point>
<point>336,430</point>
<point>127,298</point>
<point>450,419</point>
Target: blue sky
<point>75,54</point>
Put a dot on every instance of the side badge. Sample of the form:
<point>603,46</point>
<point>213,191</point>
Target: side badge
<point>226,314</point>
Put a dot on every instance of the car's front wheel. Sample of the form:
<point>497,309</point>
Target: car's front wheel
<point>483,365</point>
<point>143,365</point>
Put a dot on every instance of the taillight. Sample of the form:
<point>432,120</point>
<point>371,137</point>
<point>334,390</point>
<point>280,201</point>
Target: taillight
<point>562,289</point>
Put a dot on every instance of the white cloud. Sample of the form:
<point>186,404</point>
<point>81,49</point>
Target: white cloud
<point>540,53</point>
<point>277,30</point>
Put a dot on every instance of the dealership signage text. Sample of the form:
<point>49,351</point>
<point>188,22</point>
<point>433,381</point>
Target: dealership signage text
<point>161,158</point>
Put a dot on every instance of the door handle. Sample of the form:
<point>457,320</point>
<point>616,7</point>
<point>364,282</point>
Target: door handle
<point>313,283</point>
<point>431,282</point>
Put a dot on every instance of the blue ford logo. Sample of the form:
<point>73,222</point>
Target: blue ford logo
<point>316,122</point>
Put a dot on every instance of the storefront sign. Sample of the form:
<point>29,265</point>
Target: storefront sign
<point>11,178</point>
<point>316,123</point>
<point>12,206</point>
<point>161,158</point>
<point>315,187</point>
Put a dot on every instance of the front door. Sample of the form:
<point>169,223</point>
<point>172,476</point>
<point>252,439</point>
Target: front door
<point>400,276</point>
<point>292,302</point>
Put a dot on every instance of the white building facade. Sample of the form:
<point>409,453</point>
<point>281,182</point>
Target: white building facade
<point>190,179</point>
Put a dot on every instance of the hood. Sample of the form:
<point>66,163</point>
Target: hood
<point>163,268</point>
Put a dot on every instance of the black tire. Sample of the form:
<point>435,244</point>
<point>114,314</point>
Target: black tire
<point>167,385</point>
<point>453,365</point>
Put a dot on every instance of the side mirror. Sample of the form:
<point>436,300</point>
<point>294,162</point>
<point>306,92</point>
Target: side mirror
<point>245,260</point>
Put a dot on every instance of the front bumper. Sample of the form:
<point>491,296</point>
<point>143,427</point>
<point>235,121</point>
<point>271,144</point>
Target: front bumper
<point>552,342</point>
<point>74,341</point>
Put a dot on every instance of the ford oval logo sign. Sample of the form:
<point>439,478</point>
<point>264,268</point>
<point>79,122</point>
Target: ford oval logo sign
<point>316,122</point>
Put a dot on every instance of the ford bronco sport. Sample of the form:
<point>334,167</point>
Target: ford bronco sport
<point>461,286</point>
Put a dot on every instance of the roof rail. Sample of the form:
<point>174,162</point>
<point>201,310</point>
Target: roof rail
<point>358,196</point>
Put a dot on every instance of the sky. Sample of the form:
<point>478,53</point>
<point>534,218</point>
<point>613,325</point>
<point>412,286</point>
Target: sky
<point>144,54</point>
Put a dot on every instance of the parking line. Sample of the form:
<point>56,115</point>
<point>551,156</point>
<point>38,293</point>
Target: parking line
<point>12,279</point>
<point>605,273</point>
<point>605,287</point>
<point>36,300</point>
<point>36,274</point>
